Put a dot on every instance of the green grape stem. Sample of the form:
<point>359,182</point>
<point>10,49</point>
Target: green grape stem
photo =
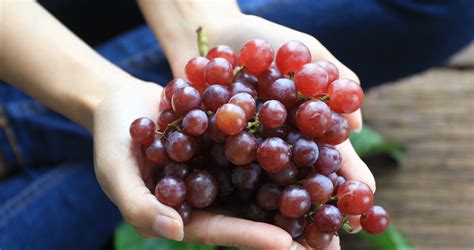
<point>202,40</point>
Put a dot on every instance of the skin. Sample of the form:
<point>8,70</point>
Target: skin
<point>68,76</point>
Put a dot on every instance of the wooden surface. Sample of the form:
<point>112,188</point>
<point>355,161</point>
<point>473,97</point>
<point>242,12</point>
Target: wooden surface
<point>431,195</point>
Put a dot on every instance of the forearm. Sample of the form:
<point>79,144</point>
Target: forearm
<point>48,62</point>
<point>174,23</point>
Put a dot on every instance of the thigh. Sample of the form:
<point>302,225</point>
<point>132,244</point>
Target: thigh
<point>59,207</point>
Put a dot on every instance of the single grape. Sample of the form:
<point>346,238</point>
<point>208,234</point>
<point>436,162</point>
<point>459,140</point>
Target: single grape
<point>246,177</point>
<point>241,87</point>
<point>293,137</point>
<point>338,132</point>
<point>201,189</point>
<point>185,99</point>
<point>256,55</point>
<point>184,210</point>
<point>218,71</point>
<point>273,155</point>
<point>170,191</point>
<point>265,80</point>
<point>284,177</point>
<point>246,102</point>
<point>223,51</point>
<point>195,122</point>
<point>294,201</point>
<point>319,187</point>
<point>312,80</point>
<point>345,96</point>
<point>339,181</point>
<point>166,117</point>
<point>268,196</point>
<point>174,85</point>
<point>354,197</point>
<point>214,132</point>
<point>329,160</point>
<point>156,152</point>
<point>230,119</point>
<point>280,132</point>
<point>241,149</point>
<point>224,183</point>
<point>313,118</point>
<point>331,70</point>
<point>291,56</point>
<point>180,147</point>
<point>315,238</point>
<point>375,220</point>
<point>328,219</point>
<point>256,213</point>
<point>272,114</point>
<point>218,155</point>
<point>294,227</point>
<point>283,90</point>
<point>179,170</point>
<point>247,78</point>
<point>194,70</point>
<point>142,130</point>
<point>215,96</point>
<point>305,152</point>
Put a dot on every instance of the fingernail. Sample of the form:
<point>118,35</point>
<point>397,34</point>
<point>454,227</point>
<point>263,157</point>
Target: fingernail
<point>168,228</point>
<point>357,130</point>
<point>296,246</point>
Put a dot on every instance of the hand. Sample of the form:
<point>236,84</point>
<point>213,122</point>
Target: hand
<point>235,32</point>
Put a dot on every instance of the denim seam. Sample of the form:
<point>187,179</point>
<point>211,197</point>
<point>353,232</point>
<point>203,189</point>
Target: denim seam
<point>31,193</point>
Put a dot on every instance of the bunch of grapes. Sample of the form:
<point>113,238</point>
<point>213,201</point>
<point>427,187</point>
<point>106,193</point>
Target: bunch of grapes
<point>255,134</point>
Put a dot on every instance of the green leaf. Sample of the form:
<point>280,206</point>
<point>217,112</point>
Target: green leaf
<point>391,239</point>
<point>126,238</point>
<point>368,143</point>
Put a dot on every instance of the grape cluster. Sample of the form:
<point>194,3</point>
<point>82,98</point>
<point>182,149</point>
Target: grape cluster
<point>255,135</point>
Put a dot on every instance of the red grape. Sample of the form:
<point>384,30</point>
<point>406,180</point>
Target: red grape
<point>223,51</point>
<point>294,227</point>
<point>156,152</point>
<point>201,189</point>
<point>230,119</point>
<point>246,177</point>
<point>266,80</point>
<point>215,96</point>
<point>247,78</point>
<point>174,85</point>
<point>375,220</point>
<point>164,104</point>
<point>313,118</point>
<point>180,147</point>
<point>294,202</point>
<point>345,96</point>
<point>166,117</point>
<point>246,102</point>
<point>179,170</point>
<point>256,55</point>
<point>256,213</point>
<point>338,132</point>
<point>218,71</point>
<point>241,149</point>
<point>283,90</point>
<point>185,99</point>
<point>241,87</point>
<point>170,191</point>
<point>268,196</point>
<point>284,177</point>
<point>305,152</point>
<point>142,130</point>
<point>329,160</point>
<point>291,56</point>
<point>311,80</point>
<point>319,187</point>
<point>214,132</point>
<point>273,155</point>
<point>354,197</point>
<point>194,70</point>
<point>331,70</point>
<point>184,210</point>
<point>272,114</point>
<point>315,238</point>
<point>281,132</point>
<point>293,137</point>
<point>195,122</point>
<point>328,219</point>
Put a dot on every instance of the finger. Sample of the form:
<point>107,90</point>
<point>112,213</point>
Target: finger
<point>334,245</point>
<point>352,167</point>
<point>355,120</point>
<point>222,230</point>
<point>354,223</point>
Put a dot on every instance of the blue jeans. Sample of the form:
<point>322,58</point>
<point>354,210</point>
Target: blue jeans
<point>50,198</point>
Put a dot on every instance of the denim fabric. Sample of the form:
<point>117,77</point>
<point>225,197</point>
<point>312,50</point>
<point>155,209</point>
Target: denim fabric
<point>52,200</point>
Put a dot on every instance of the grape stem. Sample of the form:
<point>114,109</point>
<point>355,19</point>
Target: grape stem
<point>203,47</point>
<point>254,126</point>
<point>175,124</point>
<point>291,75</point>
<point>238,70</point>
